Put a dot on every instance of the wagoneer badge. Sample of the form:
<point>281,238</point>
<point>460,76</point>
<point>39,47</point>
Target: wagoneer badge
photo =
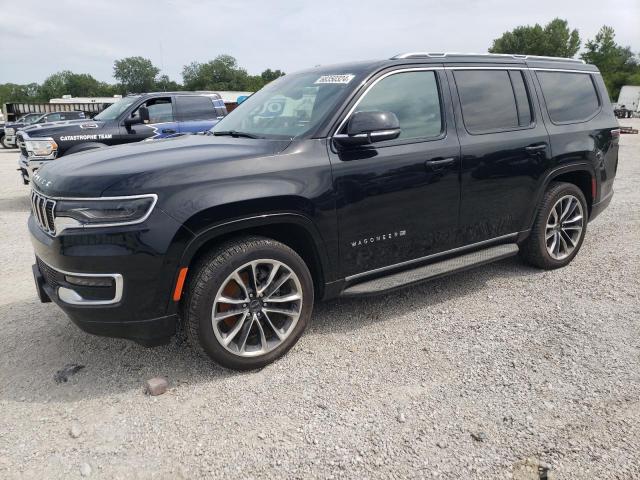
<point>378,238</point>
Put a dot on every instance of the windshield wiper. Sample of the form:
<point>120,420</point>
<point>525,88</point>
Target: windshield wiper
<point>235,133</point>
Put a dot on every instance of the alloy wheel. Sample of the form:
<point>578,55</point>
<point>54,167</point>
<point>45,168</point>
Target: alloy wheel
<point>257,307</point>
<point>564,227</point>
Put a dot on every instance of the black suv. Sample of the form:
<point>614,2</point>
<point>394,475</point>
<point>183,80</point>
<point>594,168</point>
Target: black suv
<point>134,118</point>
<point>342,180</point>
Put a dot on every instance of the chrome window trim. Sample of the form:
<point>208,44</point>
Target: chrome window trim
<point>73,298</point>
<point>374,83</point>
<point>429,257</point>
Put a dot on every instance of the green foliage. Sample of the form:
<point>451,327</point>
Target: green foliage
<point>554,40</point>
<point>619,65</point>
<point>165,84</point>
<point>74,84</point>
<point>223,73</point>
<point>136,74</point>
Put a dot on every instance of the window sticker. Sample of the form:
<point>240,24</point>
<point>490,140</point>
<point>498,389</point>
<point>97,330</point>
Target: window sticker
<point>344,78</point>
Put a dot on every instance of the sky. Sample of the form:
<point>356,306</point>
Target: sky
<point>39,38</point>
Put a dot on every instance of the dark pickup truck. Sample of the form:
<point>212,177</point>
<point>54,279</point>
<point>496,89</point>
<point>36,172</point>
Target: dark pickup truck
<point>134,118</point>
<point>345,180</point>
<point>31,119</point>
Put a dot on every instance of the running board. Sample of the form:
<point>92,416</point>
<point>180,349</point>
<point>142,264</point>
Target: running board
<point>431,271</point>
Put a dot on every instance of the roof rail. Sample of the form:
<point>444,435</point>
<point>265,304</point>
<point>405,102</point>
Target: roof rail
<point>483,55</point>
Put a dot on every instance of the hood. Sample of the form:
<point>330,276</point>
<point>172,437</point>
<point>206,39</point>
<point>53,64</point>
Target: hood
<point>148,167</point>
<point>80,125</point>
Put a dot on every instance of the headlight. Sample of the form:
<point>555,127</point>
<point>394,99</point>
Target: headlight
<point>80,213</point>
<point>40,147</point>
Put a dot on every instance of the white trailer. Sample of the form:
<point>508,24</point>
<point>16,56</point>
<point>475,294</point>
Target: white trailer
<point>630,98</point>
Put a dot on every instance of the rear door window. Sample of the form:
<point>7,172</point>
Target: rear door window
<point>493,100</point>
<point>570,97</point>
<point>195,108</point>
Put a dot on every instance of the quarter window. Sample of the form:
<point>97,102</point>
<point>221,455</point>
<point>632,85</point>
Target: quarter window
<point>413,97</point>
<point>493,100</point>
<point>570,97</point>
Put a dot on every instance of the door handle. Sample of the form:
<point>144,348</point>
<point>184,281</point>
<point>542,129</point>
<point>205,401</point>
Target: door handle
<point>536,148</point>
<point>168,130</point>
<point>439,163</point>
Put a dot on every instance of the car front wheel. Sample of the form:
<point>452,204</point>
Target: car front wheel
<point>248,302</point>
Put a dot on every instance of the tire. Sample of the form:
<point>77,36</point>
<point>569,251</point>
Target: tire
<point>539,248</point>
<point>214,280</point>
<point>4,143</point>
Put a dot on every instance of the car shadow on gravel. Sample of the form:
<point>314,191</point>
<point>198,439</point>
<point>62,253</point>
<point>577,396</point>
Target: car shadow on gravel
<point>15,204</point>
<point>41,341</point>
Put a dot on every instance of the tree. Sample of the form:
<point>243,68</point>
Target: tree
<point>74,84</point>
<point>165,84</point>
<point>12,92</point>
<point>135,74</point>
<point>221,73</point>
<point>618,65</point>
<point>553,40</point>
<point>270,75</point>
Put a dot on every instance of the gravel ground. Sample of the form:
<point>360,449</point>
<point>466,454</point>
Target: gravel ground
<point>484,374</point>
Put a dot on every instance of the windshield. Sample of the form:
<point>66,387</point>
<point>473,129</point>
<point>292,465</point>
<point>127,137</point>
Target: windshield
<point>30,118</point>
<point>112,112</point>
<point>292,106</point>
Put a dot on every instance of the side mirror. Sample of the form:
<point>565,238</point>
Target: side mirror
<point>369,127</point>
<point>141,117</point>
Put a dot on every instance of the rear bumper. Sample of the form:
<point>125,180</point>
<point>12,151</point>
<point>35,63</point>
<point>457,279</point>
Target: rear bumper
<point>598,208</point>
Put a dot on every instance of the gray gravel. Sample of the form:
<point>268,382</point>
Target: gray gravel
<point>485,374</point>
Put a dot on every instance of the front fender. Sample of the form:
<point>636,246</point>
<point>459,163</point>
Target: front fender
<point>223,228</point>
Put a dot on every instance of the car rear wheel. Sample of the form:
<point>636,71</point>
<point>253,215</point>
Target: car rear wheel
<point>248,302</point>
<point>559,228</point>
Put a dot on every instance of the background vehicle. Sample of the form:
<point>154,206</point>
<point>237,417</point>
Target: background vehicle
<point>628,101</point>
<point>13,126</point>
<point>37,119</point>
<point>132,119</point>
<point>344,180</point>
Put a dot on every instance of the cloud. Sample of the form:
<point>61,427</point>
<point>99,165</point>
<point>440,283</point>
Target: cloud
<point>39,38</point>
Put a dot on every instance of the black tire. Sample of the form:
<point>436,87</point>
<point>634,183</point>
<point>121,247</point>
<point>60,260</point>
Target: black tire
<point>206,279</point>
<point>4,143</point>
<point>534,249</point>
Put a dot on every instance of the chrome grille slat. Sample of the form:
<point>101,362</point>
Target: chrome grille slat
<point>43,210</point>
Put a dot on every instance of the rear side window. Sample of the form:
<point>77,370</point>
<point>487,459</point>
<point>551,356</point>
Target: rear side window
<point>493,100</point>
<point>413,97</point>
<point>570,97</point>
<point>195,108</point>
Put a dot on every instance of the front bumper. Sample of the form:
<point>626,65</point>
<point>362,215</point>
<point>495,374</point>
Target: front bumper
<point>137,304</point>
<point>28,167</point>
<point>150,333</point>
<point>10,139</point>
<point>23,168</point>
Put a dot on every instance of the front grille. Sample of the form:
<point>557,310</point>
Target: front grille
<point>43,210</point>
